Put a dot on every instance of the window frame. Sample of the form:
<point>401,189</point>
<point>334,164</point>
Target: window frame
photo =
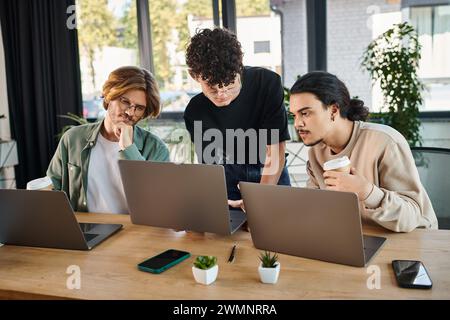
<point>429,115</point>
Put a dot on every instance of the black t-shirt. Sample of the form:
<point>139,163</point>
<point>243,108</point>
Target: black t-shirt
<point>248,122</point>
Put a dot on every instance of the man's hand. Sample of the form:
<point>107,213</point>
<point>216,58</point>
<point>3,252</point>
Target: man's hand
<point>124,133</point>
<point>239,204</point>
<point>350,182</point>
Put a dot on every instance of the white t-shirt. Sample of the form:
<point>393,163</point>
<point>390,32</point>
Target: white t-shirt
<point>104,187</point>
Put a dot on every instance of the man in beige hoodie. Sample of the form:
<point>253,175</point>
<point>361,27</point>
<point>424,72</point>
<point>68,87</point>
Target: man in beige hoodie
<point>383,173</point>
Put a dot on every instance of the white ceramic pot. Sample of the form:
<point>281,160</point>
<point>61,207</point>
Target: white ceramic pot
<point>269,275</point>
<point>205,276</point>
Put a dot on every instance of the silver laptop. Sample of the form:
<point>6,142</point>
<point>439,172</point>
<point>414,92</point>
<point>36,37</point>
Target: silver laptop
<point>179,196</point>
<point>46,219</point>
<point>309,223</point>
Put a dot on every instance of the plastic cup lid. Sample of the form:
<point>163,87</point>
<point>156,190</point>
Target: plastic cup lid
<point>336,163</point>
<point>38,184</point>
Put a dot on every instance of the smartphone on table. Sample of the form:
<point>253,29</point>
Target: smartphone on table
<point>163,261</point>
<point>411,274</point>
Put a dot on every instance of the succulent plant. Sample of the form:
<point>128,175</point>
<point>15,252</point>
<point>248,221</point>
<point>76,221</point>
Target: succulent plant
<point>205,262</point>
<point>268,260</point>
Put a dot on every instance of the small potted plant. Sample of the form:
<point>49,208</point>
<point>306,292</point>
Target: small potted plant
<point>205,269</point>
<point>269,268</point>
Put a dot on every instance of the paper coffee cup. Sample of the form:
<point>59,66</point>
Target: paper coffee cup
<point>342,164</point>
<point>44,183</point>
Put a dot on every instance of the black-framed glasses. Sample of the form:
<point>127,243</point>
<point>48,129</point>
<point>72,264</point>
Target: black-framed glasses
<point>126,105</point>
<point>229,91</point>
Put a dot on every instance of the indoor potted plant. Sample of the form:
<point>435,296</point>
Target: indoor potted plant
<point>269,268</point>
<point>393,59</point>
<point>205,269</point>
<point>78,119</point>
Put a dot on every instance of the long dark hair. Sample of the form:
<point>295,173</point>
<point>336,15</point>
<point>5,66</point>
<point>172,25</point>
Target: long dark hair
<point>330,90</point>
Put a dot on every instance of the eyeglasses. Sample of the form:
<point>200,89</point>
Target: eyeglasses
<point>226,92</point>
<point>126,105</point>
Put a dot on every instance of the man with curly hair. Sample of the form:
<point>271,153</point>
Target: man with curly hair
<point>240,112</point>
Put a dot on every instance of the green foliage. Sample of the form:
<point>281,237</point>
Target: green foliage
<point>163,17</point>
<point>205,262</point>
<point>78,119</point>
<point>268,260</point>
<point>198,8</point>
<point>252,8</point>
<point>97,27</point>
<point>393,59</point>
<point>128,23</point>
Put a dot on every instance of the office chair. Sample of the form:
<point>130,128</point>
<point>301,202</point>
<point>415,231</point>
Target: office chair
<point>434,171</point>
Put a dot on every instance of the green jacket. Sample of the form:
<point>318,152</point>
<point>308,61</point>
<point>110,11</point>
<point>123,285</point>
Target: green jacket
<point>68,168</point>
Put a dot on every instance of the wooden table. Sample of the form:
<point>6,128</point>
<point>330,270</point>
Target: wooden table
<point>109,270</point>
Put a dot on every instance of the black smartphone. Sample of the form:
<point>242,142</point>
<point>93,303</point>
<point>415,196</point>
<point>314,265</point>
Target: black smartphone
<point>411,274</point>
<point>163,261</point>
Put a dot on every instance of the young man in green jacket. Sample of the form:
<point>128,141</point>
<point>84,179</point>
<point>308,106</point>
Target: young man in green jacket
<point>85,164</point>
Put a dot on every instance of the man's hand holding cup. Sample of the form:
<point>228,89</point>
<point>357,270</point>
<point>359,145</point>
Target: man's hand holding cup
<point>339,175</point>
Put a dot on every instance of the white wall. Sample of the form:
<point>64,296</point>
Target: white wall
<point>267,28</point>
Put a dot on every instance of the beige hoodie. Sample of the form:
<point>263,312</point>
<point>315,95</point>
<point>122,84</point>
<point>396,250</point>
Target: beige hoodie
<point>381,154</point>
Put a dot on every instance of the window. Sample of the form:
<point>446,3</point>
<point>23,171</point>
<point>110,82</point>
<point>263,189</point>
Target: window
<point>433,27</point>
<point>107,37</point>
<point>259,31</point>
<point>261,47</point>
<point>380,23</point>
<point>173,22</point>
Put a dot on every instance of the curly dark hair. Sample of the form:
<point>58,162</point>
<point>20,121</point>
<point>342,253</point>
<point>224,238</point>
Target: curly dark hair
<point>215,56</point>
